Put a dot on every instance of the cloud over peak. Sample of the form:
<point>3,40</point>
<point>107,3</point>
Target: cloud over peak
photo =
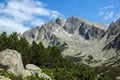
<point>20,15</point>
<point>108,13</point>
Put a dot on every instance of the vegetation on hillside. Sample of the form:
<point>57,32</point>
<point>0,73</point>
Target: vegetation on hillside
<point>50,59</point>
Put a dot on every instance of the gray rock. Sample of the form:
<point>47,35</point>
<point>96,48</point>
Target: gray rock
<point>72,25</point>
<point>4,78</point>
<point>118,78</point>
<point>37,71</point>
<point>43,75</point>
<point>113,35</point>
<point>25,73</point>
<point>60,21</point>
<point>10,60</point>
<point>33,68</point>
<point>90,31</point>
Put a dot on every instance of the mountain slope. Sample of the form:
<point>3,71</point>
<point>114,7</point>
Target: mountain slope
<point>79,38</point>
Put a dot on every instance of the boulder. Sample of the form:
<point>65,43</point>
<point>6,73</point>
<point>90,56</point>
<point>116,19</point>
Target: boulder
<point>36,71</point>
<point>34,68</point>
<point>11,60</point>
<point>43,75</point>
<point>4,78</point>
<point>25,73</point>
<point>118,78</point>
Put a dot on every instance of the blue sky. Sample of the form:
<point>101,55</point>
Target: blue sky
<point>21,15</point>
<point>88,9</point>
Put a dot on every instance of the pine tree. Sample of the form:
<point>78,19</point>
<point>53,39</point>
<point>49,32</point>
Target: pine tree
<point>3,41</point>
<point>13,41</point>
<point>23,48</point>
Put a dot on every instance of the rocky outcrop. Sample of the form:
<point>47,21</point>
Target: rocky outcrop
<point>11,61</point>
<point>85,28</point>
<point>90,31</point>
<point>72,25</point>
<point>114,29</point>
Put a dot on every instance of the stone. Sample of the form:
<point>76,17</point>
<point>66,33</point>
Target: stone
<point>36,71</point>
<point>11,60</point>
<point>33,68</point>
<point>4,78</point>
<point>25,73</point>
<point>118,78</point>
<point>43,75</point>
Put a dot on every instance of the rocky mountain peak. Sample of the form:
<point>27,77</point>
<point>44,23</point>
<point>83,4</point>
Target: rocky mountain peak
<point>70,35</point>
<point>72,24</point>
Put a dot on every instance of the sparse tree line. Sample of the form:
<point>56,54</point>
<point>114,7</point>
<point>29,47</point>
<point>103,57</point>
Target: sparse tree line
<point>35,53</point>
<point>49,57</point>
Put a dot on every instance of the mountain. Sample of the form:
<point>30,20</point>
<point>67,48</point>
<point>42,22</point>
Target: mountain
<point>88,42</point>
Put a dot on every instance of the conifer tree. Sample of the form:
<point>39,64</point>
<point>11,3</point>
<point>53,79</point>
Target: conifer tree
<point>3,41</point>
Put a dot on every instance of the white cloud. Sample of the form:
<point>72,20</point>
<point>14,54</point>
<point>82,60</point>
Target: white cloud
<point>37,22</point>
<point>108,7</point>
<point>9,25</point>
<point>108,13</point>
<point>16,13</point>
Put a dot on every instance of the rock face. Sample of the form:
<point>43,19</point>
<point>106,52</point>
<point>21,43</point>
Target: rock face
<point>113,34</point>
<point>11,61</point>
<point>113,43</point>
<point>85,29</point>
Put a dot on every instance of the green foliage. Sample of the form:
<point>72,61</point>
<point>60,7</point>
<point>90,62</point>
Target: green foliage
<point>23,47</point>
<point>33,78</point>
<point>3,41</point>
<point>10,75</point>
<point>18,77</point>
<point>104,77</point>
<point>76,72</point>
<point>13,41</point>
